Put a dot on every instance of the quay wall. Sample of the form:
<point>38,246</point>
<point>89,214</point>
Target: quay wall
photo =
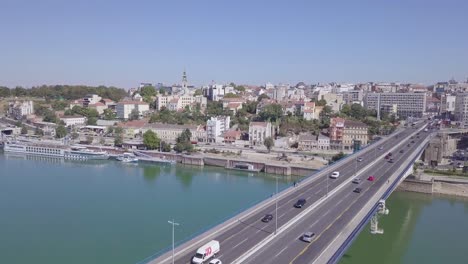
<point>413,185</point>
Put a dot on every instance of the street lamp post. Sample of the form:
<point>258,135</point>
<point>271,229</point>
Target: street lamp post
<point>276,206</point>
<point>173,223</point>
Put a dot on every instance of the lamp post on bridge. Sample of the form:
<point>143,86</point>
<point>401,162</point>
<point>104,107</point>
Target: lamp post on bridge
<point>173,223</point>
<point>276,206</point>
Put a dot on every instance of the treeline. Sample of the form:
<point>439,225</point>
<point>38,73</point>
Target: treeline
<point>67,92</point>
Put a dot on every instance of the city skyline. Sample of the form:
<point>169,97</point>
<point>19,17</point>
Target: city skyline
<point>107,43</point>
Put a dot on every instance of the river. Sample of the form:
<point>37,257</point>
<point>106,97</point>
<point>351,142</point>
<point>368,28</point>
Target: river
<point>419,229</point>
<point>55,211</point>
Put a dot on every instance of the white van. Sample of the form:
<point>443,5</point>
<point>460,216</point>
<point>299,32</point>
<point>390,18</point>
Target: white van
<point>335,174</point>
<point>205,252</point>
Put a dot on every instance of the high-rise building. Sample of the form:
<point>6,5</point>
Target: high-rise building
<point>407,104</point>
<point>461,109</point>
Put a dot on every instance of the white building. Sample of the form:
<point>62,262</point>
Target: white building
<point>174,102</point>
<point>19,109</point>
<point>75,120</point>
<point>408,104</point>
<point>461,109</point>
<point>310,111</point>
<point>125,108</point>
<point>215,128</point>
<point>91,99</point>
<point>258,132</point>
<point>447,104</point>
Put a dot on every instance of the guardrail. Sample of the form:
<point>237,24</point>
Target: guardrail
<point>283,191</point>
<point>350,239</point>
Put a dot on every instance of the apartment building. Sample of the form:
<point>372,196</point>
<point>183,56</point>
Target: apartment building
<point>19,109</point>
<point>346,133</point>
<point>407,104</point>
<point>75,120</point>
<point>258,131</point>
<point>125,108</point>
<point>215,127</point>
<point>169,133</point>
<point>461,109</point>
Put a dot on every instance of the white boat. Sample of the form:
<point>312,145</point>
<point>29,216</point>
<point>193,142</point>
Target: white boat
<point>127,157</point>
<point>81,153</point>
<point>54,150</point>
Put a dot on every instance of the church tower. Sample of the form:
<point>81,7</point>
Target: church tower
<point>185,83</point>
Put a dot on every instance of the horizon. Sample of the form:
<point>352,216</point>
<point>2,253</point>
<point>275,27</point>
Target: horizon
<point>124,44</point>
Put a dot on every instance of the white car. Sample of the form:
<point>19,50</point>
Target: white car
<point>308,236</point>
<point>215,261</point>
<point>335,174</point>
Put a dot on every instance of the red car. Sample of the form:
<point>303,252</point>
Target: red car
<point>371,178</point>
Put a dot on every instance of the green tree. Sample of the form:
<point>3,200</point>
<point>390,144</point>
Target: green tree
<point>148,91</point>
<point>240,88</point>
<point>92,121</point>
<point>346,110</point>
<point>60,131</point>
<point>118,140</point>
<point>74,135</point>
<point>162,91</point>
<point>109,114</point>
<point>24,130</point>
<point>151,140</point>
<point>231,95</point>
<point>271,112</point>
<point>134,115</point>
<point>250,107</point>
<point>50,116</point>
<point>165,147</point>
<point>198,92</point>
<point>261,97</point>
<point>110,130</point>
<point>321,102</point>
<point>183,142</point>
<point>338,156</point>
<point>118,130</point>
<point>269,143</point>
<point>38,132</point>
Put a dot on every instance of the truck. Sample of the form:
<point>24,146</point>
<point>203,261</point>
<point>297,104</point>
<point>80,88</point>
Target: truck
<point>206,252</point>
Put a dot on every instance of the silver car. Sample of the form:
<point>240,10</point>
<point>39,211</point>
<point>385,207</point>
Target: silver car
<point>357,180</point>
<point>308,236</point>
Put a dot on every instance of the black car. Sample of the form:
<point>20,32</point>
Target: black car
<point>412,141</point>
<point>267,218</point>
<point>390,160</point>
<point>408,145</point>
<point>401,151</point>
<point>389,154</point>
<point>357,190</point>
<point>300,203</point>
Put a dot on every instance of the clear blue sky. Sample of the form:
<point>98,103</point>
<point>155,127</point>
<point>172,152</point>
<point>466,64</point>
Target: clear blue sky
<point>123,43</point>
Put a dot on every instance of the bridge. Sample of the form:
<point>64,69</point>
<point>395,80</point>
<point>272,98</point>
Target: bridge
<point>334,212</point>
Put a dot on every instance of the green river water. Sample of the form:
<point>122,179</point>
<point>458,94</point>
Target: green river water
<point>54,211</point>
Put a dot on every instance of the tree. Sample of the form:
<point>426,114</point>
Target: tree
<point>50,116</point>
<point>269,143</point>
<point>118,130</point>
<point>134,115</point>
<point>321,102</point>
<point>165,147</point>
<point>110,130</point>
<point>60,131</point>
<point>240,88</point>
<point>74,135</point>
<point>92,121</point>
<point>118,140</point>
<point>338,156</point>
<point>109,114</point>
<point>151,140</point>
<point>231,95</point>
<point>250,107</point>
<point>346,110</point>
<point>38,132</point>
<point>183,142</point>
<point>24,130</point>
<point>271,112</point>
<point>198,92</point>
<point>162,91</point>
<point>261,97</point>
<point>148,91</point>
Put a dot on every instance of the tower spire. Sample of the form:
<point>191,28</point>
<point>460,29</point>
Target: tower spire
<point>184,82</point>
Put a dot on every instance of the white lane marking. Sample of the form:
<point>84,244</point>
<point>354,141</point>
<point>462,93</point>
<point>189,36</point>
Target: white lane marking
<point>282,215</point>
<point>281,251</point>
<point>239,243</point>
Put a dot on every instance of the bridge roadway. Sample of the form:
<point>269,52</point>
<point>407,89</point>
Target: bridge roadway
<point>248,231</point>
<point>328,220</point>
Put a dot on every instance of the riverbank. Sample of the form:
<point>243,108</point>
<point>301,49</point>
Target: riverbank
<point>436,184</point>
